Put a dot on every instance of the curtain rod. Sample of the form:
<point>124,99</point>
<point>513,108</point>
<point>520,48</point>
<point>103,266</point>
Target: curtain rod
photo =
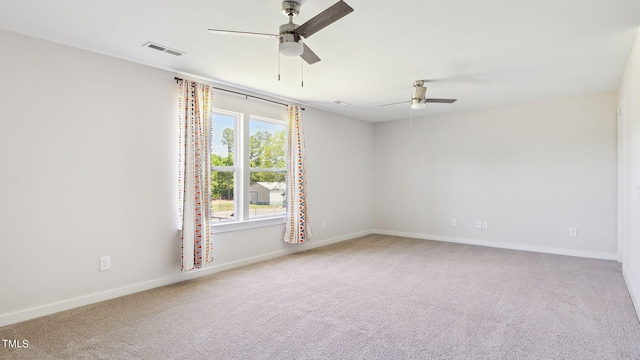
<point>245,95</point>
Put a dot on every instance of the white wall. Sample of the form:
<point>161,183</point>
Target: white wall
<point>630,173</point>
<point>89,157</point>
<point>531,171</point>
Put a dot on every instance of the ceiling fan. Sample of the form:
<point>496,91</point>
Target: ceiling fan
<point>419,99</point>
<point>292,36</point>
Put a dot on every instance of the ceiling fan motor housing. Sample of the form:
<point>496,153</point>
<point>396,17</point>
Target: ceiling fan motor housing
<point>419,99</point>
<point>420,93</point>
<point>290,42</point>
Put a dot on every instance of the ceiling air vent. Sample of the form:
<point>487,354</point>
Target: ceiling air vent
<point>163,48</point>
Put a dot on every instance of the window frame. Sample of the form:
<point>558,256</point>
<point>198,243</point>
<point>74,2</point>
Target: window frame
<point>242,172</point>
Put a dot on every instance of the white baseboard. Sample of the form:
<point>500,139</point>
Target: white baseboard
<point>272,255</point>
<point>502,245</point>
<point>635,296</point>
<point>48,309</point>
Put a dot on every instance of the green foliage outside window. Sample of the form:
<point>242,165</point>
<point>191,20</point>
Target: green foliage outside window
<point>267,151</point>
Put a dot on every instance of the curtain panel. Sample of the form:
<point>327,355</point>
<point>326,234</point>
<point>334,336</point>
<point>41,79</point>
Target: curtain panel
<point>194,114</point>
<point>297,226</point>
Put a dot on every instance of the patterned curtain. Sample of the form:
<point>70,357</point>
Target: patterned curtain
<point>194,113</point>
<point>297,228</point>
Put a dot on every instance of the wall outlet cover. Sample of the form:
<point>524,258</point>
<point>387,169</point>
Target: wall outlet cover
<point>105,263</point>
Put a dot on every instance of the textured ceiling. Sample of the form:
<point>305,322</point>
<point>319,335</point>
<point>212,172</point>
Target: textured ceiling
<point>484,53</point>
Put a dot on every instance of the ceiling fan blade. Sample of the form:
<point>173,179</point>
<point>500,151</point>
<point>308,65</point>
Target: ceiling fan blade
<point>245,33</point>
<point>443,101</point>
<point>309,56</point>
<point>396,103</point>
<point>332,14</point>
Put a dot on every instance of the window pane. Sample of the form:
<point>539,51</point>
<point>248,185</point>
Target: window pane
<point>267,193</point>
<point>223,140</point>
<point>222,200</point>
<point>267,144</point>
<point>223,153</point>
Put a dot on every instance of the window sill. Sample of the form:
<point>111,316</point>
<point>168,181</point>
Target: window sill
<point>244,225</point>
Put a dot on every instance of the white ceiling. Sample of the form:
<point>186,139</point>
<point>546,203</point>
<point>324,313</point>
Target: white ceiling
<point>484,53</point>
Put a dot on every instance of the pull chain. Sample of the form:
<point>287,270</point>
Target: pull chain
<point>426,113</point>
<point>278,62</point>
<point>301,73</point>
<point>410,118</point>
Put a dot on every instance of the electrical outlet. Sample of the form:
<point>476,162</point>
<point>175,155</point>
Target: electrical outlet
<point>479,224</point>
<point>105,263</point>
<point>573,231</point>
<point>454,222</point>
<point>485,224</point>
<point>324,225</point>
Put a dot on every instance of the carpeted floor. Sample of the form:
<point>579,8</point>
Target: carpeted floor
<point>375,297</point>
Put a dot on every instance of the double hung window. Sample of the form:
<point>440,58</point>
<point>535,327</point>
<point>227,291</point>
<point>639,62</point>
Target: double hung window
<point>248,167</point>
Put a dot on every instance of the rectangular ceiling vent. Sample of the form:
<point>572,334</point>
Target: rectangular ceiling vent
<point>163,48</point>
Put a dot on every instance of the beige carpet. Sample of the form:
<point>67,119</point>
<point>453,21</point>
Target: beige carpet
<point>376,297</point>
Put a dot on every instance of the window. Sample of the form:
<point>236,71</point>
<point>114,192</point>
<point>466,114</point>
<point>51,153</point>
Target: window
<point>248,167</point>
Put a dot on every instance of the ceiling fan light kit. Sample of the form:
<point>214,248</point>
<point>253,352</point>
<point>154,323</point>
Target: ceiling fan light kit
<point>290,47</point>
<point>417,104</point>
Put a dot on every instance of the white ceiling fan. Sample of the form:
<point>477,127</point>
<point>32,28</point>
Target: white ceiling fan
<point>291,36</point>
